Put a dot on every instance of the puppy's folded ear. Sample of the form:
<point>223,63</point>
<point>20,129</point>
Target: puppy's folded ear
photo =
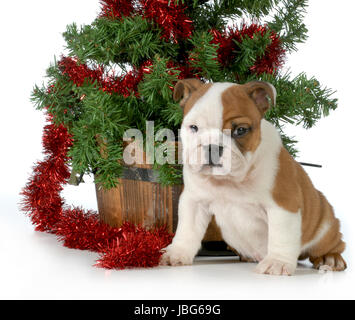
<point>184,88</point>
<point>259,91</point>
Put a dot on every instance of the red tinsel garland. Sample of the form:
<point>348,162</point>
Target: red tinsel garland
<point>272,59</point>
<point>116,8</point>
<point>79,72</point>
<point>123,85</point>
<point>42,194</point>
<point>168,15</point>
<point>127,246</point>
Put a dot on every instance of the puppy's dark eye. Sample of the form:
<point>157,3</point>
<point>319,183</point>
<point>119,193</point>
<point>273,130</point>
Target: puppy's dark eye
<point>240,131</point>
<point>194,128</point>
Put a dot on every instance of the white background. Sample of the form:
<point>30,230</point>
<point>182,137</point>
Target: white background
<point>35,266</point>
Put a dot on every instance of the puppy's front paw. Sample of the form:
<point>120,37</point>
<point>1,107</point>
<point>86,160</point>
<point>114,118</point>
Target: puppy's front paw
<point>176,256</point>
<point>270,265</point>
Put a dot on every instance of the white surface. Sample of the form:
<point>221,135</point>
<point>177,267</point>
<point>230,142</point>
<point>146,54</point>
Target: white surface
<point>34,265</point>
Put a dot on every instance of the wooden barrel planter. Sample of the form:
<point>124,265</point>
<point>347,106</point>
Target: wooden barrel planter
<point>140,199</point>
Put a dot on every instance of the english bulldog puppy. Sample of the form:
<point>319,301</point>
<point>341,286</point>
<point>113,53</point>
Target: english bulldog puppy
<point>236,168</point>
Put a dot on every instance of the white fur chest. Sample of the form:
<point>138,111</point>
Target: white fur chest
<point>243,226</point>
<point>240,214</point>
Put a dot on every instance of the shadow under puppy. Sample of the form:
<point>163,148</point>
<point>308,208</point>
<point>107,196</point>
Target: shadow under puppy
<point>236,168</point>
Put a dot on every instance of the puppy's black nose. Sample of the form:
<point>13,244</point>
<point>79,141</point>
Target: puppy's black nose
<point>213,153</point>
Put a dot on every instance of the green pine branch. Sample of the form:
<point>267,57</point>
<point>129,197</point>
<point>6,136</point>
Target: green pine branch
<point>203,57</point>
<point>131,40</point>
<point>237,8</point>
<point>288,23</point>
<point>168,174</point>
<point>300,101</point>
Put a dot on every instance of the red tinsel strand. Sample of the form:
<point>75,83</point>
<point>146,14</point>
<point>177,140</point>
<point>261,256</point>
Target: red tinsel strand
<point>42,198</point>
<point>269,62</point>
<point>78,72</point>
<point>136,247</point>
<point>116,8</point>
<point>170,17</point>
<point>185,70</point>
<point>127,84</point>
<point>80,229</point>
<point>124,85</point>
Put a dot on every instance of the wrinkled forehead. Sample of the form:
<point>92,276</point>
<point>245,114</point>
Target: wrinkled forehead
<point>205,106</point>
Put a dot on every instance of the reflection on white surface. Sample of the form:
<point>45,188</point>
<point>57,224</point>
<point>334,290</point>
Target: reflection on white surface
<point>35,265</point>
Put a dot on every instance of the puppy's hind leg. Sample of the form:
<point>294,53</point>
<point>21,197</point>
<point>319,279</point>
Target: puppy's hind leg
<point>330,261</point>
<point>326,254</point>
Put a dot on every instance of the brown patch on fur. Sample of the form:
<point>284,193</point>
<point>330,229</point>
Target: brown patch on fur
<point>188,91</point>
<point>294,191</point>
<point>240,109</point>
<point>245,105</point>
<point>287,192</point>
<point>184,88</point>
<point>259,91</point>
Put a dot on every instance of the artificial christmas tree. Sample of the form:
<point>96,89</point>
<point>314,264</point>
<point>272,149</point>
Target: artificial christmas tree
<point>119,72</point>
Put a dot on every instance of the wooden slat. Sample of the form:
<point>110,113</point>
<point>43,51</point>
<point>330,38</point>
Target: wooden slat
<point>143,203</point>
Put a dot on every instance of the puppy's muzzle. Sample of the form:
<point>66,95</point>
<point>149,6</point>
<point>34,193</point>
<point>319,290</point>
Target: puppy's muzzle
<point>213,153</point>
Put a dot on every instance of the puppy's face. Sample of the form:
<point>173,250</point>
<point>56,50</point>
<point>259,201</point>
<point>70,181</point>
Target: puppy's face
<point>221,126</point>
